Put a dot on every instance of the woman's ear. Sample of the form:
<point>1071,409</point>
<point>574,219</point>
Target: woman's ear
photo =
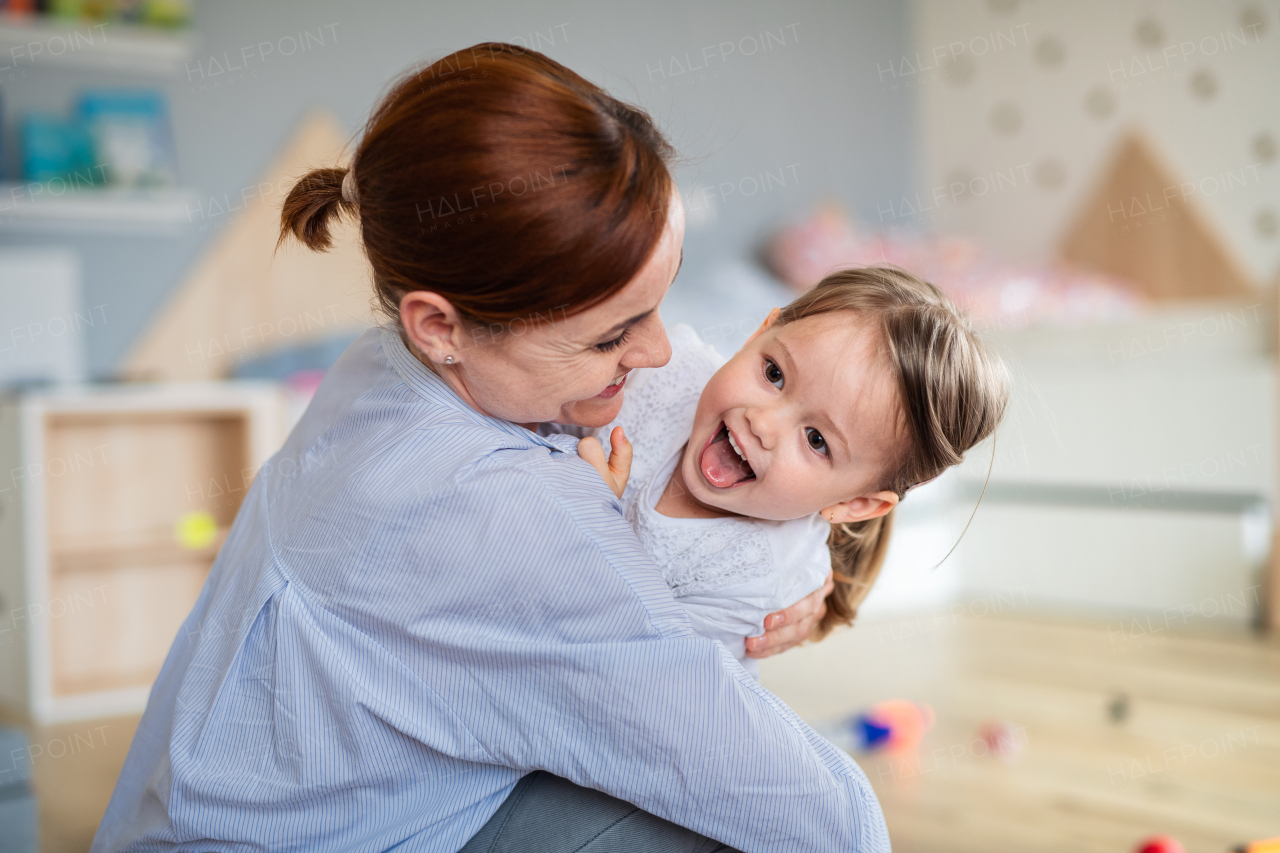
<point>768,321</point>
<point>433,325</point>
<point>861,508</point>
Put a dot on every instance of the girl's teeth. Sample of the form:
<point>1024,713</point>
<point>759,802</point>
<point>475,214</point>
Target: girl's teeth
<point>735,447</point>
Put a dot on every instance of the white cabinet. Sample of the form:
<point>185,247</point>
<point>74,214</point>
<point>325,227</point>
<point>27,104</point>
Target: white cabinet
<point>1135,470</point>
<point>94,485</point>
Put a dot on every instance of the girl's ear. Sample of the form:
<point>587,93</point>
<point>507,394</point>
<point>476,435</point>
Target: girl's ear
<point>433,325</point>
<point>768,321</point>
<point>861,508</point>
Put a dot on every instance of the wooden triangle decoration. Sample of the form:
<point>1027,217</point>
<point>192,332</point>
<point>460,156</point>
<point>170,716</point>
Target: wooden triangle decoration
<point>243,298</point>
<point>1143,224</point>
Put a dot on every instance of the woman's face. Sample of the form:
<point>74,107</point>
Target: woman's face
<point>572,369</point>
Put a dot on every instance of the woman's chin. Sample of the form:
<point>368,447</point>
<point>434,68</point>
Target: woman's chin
<point>594,412</point>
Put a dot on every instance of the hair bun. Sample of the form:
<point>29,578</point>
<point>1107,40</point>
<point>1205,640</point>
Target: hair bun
<point>314,200</point>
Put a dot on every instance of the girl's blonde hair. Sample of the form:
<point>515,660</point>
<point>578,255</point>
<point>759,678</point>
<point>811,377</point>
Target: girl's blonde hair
<point>953,388</point>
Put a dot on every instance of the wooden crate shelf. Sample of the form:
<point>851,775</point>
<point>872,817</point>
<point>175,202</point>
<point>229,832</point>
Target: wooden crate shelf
<point>66,558</point>
<point>99,584</point>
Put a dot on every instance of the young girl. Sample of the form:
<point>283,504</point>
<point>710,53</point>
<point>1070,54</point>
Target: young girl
<point>756,477</point>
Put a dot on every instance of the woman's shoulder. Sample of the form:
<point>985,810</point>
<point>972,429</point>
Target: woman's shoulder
<point>380,426</point>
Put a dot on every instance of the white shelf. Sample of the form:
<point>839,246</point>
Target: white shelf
<point>36,41</point>
<point>110,211</point>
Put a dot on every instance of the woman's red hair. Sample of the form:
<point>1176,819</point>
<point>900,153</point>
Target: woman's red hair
<point>501,180</point>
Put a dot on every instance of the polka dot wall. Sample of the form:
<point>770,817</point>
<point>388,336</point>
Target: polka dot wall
<point>1024,102</point>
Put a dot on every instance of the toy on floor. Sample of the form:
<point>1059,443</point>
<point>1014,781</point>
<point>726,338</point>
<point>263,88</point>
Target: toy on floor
<point>896,725</point>
<point>1160,844</point>
<point>1118,708</point>
<point>1268,845</point>
<point>1001,738</point>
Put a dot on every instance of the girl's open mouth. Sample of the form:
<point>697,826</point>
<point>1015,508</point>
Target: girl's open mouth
<point>723,464</point>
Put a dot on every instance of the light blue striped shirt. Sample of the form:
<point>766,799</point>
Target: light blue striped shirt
<point>417,605</point>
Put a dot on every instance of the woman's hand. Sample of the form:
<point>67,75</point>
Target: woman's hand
<point>791,627</point>
<point>617,469</point>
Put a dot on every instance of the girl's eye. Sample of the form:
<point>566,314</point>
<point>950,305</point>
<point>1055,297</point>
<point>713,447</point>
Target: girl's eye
<point>609,346</point>
<point>772,373</point>
<point>815,439</point>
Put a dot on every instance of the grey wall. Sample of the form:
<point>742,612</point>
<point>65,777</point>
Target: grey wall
<point>743,88</point>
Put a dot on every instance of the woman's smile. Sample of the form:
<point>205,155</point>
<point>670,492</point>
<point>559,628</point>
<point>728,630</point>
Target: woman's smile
<point>614,388</point>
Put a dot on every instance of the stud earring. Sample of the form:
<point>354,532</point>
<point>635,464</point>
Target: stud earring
<point>448,359</point>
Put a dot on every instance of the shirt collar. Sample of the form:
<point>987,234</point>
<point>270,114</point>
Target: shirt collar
<point>425,383</point>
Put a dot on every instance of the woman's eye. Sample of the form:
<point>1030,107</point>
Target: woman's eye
<point>772,373</point>
<point>815,439</point>
<point>609,346</point>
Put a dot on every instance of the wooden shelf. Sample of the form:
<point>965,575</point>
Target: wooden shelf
<point>101,682</point>
<point>82,556</point>
<point>38,41</point>
<point>112,628</point>
<point>113,211</point>
<point>91,547</point>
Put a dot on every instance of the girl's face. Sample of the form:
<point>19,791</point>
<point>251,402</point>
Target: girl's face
<point>804,418</point>
<point>561,368</point>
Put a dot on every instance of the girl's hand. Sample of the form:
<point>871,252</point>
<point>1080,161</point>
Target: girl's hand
<point>791,627</point>
<point>618,468</point>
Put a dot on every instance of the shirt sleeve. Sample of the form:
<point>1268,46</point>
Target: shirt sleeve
<point>566,652</point>
<point>728,621</point>
<point>732,613</point>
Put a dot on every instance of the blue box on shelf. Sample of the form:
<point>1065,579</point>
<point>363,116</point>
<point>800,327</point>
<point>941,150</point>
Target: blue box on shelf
<point>56,148</point>
<point>131,136</point>
<point>19,819</point>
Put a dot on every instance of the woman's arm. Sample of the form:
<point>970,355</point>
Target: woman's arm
<point>569,654</point>
<point>731,613</point>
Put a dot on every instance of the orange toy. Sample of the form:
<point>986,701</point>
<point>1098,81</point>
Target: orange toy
<point>906,721</point>
<point>1268,845</point>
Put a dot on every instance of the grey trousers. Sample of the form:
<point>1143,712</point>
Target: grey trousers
<point>547,814</point>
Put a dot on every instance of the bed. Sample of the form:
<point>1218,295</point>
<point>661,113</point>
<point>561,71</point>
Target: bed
<point>1135,474</point>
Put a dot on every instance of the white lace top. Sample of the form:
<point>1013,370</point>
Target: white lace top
<point>728,573</point>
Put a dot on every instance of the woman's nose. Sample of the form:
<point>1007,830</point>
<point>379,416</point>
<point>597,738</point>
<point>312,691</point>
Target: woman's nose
<point>649,346</point>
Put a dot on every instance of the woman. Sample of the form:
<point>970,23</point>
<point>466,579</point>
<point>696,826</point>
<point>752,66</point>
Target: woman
<point>429,627</point>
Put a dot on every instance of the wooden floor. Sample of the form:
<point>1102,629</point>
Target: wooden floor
<point>1198,756</point>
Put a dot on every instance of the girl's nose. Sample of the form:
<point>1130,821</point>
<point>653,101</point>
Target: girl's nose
<point>763,423</point>
<point>649,346</point>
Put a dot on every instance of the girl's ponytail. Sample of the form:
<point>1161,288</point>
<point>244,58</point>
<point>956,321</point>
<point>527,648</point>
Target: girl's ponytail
<point>314,200</point>
<point>857,553</point>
